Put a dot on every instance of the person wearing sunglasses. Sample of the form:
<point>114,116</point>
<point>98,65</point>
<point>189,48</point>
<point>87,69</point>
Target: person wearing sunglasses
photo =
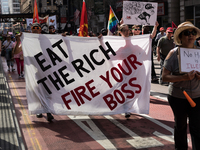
<point>165,44</point>
<point>52,29</point>
<point>184,36</point>
<point>36,28</point>
<point>136,30</point>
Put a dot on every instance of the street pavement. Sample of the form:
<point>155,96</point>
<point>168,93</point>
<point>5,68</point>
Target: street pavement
<point>145,132</point>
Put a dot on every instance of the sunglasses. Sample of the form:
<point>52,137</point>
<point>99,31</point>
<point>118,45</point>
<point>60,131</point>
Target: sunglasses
<point>136,29</point>
<point>51,28</point>
<point>37,28</point>
<point>187,32</point>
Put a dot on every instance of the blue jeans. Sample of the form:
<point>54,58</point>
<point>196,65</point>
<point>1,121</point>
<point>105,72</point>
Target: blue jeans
<point>8,57</point>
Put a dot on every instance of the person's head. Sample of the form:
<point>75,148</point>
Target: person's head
<point>169,32</point>
<point>146,29</point>
<point>8,37</point>
<point>52,29</point>
<point>186,34</point>
<point>36,28</point>
<point>124,30</point>
<point>136,30</point>
<point>104,31</point>
<point>162,29</point>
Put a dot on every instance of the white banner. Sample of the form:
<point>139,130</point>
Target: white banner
<point>85,76</point>
<point>51,21</point>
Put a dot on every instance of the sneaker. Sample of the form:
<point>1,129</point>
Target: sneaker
<point>39,115</point>
<point>13,69</point>
<point>127,115</point>
<point>22,75</point>
<point>19,76</point>
<point>49,117</point>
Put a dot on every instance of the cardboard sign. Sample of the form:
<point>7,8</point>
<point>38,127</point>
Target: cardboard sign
<point>139,13</point>
<point>189,59</point>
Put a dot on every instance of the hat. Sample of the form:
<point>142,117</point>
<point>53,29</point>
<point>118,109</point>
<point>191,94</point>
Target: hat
<point>170,29</point>
<point>148,6</point>
<point>162,29</point>
<point>184,26</point>
<point>36,24</point>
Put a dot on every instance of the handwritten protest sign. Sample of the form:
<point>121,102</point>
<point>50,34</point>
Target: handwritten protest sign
<point>189,59</point>
<point>85,75</point>
<point>139,13</point>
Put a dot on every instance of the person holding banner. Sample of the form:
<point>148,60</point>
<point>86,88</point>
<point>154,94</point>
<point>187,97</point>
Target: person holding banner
<point>146,30</point>
<point>36,28</point>
<point>124,31</point>
<point>183,88</point>
<point>52,29</point>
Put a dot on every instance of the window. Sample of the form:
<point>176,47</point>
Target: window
<point>197,11</point>
<point>48,2</point>
<point>16,5</point>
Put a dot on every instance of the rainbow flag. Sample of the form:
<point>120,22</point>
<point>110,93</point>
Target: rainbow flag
<point>112,22</point>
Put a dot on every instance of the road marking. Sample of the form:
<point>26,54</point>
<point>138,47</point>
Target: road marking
<point>160,135</point>
<point>94,132</point>
<point>138,142</point>
<point>34,141</point>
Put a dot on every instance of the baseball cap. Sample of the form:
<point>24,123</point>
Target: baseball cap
<point>36,24</point>
<point>170,29</point>
<point>162,29</point>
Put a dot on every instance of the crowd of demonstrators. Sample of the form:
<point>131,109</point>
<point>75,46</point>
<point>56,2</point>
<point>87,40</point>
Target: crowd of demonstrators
<point>165,44</point>
<point>184,36</point>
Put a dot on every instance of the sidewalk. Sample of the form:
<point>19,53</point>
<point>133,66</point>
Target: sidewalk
<point>10,134</point>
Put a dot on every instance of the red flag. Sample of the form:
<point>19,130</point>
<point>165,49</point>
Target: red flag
<point>83,31</point>
<point>35,13</point>
<point>173,25</point>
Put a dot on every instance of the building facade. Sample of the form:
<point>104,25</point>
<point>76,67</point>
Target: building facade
<point>98,10</point>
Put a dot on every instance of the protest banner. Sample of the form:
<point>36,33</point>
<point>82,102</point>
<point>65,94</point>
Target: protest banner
<point>189,59</point>
<point>85,75</point>
<point>52,21</point>
<point>139,13</point>
<point>44,21</point>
